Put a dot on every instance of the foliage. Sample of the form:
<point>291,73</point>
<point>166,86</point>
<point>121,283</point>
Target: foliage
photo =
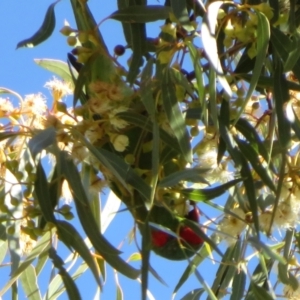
<point>164,140</point>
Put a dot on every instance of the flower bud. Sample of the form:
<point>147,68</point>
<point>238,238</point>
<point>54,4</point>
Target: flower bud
<point>71,41</point>
<point>66,30</point>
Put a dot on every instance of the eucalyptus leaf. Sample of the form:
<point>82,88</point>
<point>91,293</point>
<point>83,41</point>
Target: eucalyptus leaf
<point>210,193</point>
<point>141,13</point>
<point>58,67</point>
<point>45,30</point>
<point>174,115</point>
<point>29,283</point>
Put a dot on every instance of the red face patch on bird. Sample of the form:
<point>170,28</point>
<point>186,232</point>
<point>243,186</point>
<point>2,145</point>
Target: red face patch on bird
<point>159,238</point>
<point>189,236</point>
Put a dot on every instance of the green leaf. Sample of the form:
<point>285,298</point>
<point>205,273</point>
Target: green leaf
<point>71,288</point>
<point>119,291</point>
<point>194,54</point>
<point>114,168</point>
<point>294,54</point>
<point>149,102</point>
<point>42,140</point>
<point>145,123</point>
<point>281,43</point>
<point>146,87</point>
<point>45,30</point>
<point>268,82</point>
<point>3,242</point>
<point>58,67</point>
<point>293,119</point>
<point>72,239</point>
<point>126,26</point>
<point>83,78</point>
<point>181,13</point>
<point>262,42</point>
<point>105,249</point>
<point>260,168</point>
<point>146,250</point>
<point>56,287</point>
<point>190,175</point>
<point>260,293</point>
<point>284,275</point>
<point>281,96</point>
<point>126,172</point>
<point>226,135</point>
<point>43,195</point>
<point>287,277</point>
<point>227,269</point>
<point>260,277</point>
<point>208,194</point>
<point>42,260</point>
<point>250,192</point>
<point>238,285</point>
<point>212,89</point>
<point>251,135</point>
<point>181,80</point>
<point>197,259</point>
<point>221,149</point>
<point>85,22</point>
<point>141,13</point>
<point>29,283</point>
<point>208,33</point>
<point>54,193</point>
<point>260,246</point>
<point>42,246</point>
<point>194,294</point>
<point>85,215</point>
<point>138,46</point>
<point>245,63</point>
<point>174,115</point>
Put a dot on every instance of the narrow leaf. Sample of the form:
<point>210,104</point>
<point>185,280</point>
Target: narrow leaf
<point>253,157</point>
<point>141,13</point>
<point>42,140</point>
<point>238,285</point>
<point>43,195</point>
<point>145,123</point>
<point>58,67</point>
<point>260,246</point>
<point>42,246</point>
<point>29,284</point>
<point>250,192</point>
<point>72,239</point>
<point>45,30</point>
<point>208,33</point>
<point>138,46</point>
<point>194,294</point>
<point>71,288</point>
<point>262,41</point>
<point>281,96</point>
<point>181,13</point>
<point>109,253</point>
<point>190,175</point>
<point>174,116</point>
<point>208,194</point>
<point>251,135</point>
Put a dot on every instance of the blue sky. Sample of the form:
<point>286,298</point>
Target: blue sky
<point>19,20</point>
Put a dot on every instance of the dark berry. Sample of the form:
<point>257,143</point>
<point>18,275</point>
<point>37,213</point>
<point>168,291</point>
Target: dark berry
<point>119,50</point>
